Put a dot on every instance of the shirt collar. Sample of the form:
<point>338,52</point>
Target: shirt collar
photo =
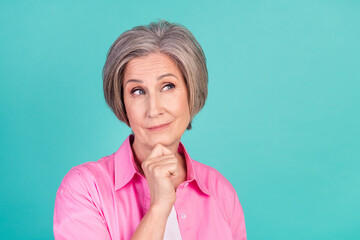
<point>125,167</point>
<point>191,171</point>
<point>124,164</point>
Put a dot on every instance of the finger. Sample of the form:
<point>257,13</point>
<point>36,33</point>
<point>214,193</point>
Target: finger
<point>149,164</point>
<point>159,150</point>
<point>166,170</point>
<point>149,161</point>
<point>161,158</point>
<point>161,162</point>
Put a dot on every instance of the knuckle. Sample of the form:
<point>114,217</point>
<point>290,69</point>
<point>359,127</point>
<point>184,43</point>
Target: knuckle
<point>173,159</point>
<point>157,171</point>
<point>173,166</point>
<point>144,164</point>
<point>158,146</point>
<point>151,167</point>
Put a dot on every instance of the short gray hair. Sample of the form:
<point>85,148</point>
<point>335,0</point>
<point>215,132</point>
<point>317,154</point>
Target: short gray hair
<point>171,39</point>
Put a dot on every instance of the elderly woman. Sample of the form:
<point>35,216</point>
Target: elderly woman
<point>155,80</point>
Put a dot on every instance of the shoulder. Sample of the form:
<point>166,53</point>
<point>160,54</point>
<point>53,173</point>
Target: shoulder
<point>79,209</point>
<point>214,181</point>
<point>89,173</point>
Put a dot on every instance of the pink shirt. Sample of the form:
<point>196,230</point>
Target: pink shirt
<point>108,198</point>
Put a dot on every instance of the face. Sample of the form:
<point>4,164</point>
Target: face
<point>156,100</point>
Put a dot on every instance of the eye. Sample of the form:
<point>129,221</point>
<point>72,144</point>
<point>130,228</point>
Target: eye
<point>168,86</point>
<point>137,91</point>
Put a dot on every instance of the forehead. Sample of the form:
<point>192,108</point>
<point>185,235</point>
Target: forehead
<point>152,65</point>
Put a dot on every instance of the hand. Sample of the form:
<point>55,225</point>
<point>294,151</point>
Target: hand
<point>160,169</point>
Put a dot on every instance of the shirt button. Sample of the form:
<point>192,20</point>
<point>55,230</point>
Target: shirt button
<point>186,184</point>
<point>183,216</point>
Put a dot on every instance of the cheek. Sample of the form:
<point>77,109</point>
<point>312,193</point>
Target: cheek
<point>181,106</point>
<point>133,113</point>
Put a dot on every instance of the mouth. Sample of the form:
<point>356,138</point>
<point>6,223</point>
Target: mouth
<point>159,127</point>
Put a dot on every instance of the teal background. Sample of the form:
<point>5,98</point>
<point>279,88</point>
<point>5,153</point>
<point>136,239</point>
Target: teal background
<point>281,121</point>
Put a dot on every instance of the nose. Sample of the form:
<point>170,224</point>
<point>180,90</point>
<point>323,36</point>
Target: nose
<point>154,108</point>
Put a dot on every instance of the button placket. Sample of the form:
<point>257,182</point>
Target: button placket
<point>181,201</point>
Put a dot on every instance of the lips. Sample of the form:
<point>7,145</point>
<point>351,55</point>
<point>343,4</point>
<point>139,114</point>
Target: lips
<point>160,126</point>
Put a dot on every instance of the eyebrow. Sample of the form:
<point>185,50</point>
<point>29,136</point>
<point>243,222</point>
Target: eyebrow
<point>133,80</point>
<point>166,75</point>
<point>158,78</point>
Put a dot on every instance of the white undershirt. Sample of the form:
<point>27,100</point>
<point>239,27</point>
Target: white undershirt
<point>172,230</point>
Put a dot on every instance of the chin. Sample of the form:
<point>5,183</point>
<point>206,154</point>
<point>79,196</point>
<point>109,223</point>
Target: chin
<point>163,139</point>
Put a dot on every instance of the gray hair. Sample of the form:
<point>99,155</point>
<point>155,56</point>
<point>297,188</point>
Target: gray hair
<point>171,39</point>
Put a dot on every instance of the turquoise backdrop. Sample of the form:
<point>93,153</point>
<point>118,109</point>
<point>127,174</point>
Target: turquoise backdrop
<point>281,121</point>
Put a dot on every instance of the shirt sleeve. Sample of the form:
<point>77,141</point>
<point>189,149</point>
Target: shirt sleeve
<point>237,221</point>
<point>75,214</point>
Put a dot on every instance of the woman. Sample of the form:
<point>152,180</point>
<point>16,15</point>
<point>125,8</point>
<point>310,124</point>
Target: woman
<point>155,80</point>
